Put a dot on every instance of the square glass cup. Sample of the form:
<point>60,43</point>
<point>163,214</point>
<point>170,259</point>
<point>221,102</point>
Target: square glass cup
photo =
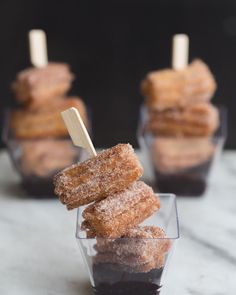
<point>181,165</point>
<point>37,160</point>
<point>131,265</point>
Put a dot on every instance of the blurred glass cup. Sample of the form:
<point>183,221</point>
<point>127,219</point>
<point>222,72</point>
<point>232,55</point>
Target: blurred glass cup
<point>131,265</point>
<point>181,165</point>
<point>37,160</point>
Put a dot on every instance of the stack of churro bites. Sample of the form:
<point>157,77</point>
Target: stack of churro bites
<point>118,202</point>
<point>36,123</point>
<point>179,107</point>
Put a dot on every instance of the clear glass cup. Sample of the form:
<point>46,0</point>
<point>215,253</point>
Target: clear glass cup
<point>181,165</point>
<point>119,266</point>
<point>37,160</point>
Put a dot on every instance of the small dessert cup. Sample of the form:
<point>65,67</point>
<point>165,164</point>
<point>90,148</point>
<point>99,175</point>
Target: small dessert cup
<point>181,165</point>
<point>131,265</point>
<point>38,160</point>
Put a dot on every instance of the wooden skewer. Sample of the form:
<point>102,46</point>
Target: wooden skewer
<point>38,48</point>
<point>180,49</point>
<point>78,131</point>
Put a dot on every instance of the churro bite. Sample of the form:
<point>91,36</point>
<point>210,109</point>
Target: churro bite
<point>197,120</point>
<point>35,86</point>
<point>168,88</point>
<point>175,154</point>
<point>111,171</point>
<point>45,121</point>
<point>46,156</point>
<point>113,216</point>
<point>140,241</point>
<point>139,250</point>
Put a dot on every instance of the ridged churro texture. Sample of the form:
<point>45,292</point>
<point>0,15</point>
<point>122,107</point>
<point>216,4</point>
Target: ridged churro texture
<point>119,212</point>
<point>109,172</point>
<point>168,88</point>
<point>35,86</point>
<point>197,120</point>
<point>46,121</point>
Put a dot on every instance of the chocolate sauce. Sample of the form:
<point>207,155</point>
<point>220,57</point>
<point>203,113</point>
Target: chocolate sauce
<point>190,182</point>
<point>111,280</point>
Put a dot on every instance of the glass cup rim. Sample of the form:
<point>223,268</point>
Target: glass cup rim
<point>161,195</point>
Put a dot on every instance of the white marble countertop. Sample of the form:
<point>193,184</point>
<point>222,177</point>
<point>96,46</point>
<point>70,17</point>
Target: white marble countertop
<point>39,254</point>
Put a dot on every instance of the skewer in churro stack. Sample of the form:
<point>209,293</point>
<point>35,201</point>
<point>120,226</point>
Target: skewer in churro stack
<point>179,111</point>
<point>117,203</point>
<point>41,93</point>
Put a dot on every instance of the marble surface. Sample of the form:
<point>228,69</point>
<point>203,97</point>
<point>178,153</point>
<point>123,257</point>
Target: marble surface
<point>39,254</point>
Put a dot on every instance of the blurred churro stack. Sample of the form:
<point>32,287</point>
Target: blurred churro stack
<point>180,118</point>
<point>41,93</point>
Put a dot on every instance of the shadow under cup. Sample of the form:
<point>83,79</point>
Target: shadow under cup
<point>131,265</point>
<point>181,165</point>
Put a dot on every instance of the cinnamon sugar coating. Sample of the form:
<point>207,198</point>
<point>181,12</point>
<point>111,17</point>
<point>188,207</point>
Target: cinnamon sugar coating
<point>90,232</point>
<point>200,119</point>
<point>35,86</point>
<point>109,172</point>
<point>141,241</point>
<point>168,88</point>
<point>139,250</point>
<point>45,121</point>
<point>157,262</point>
<point>119,212</point>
